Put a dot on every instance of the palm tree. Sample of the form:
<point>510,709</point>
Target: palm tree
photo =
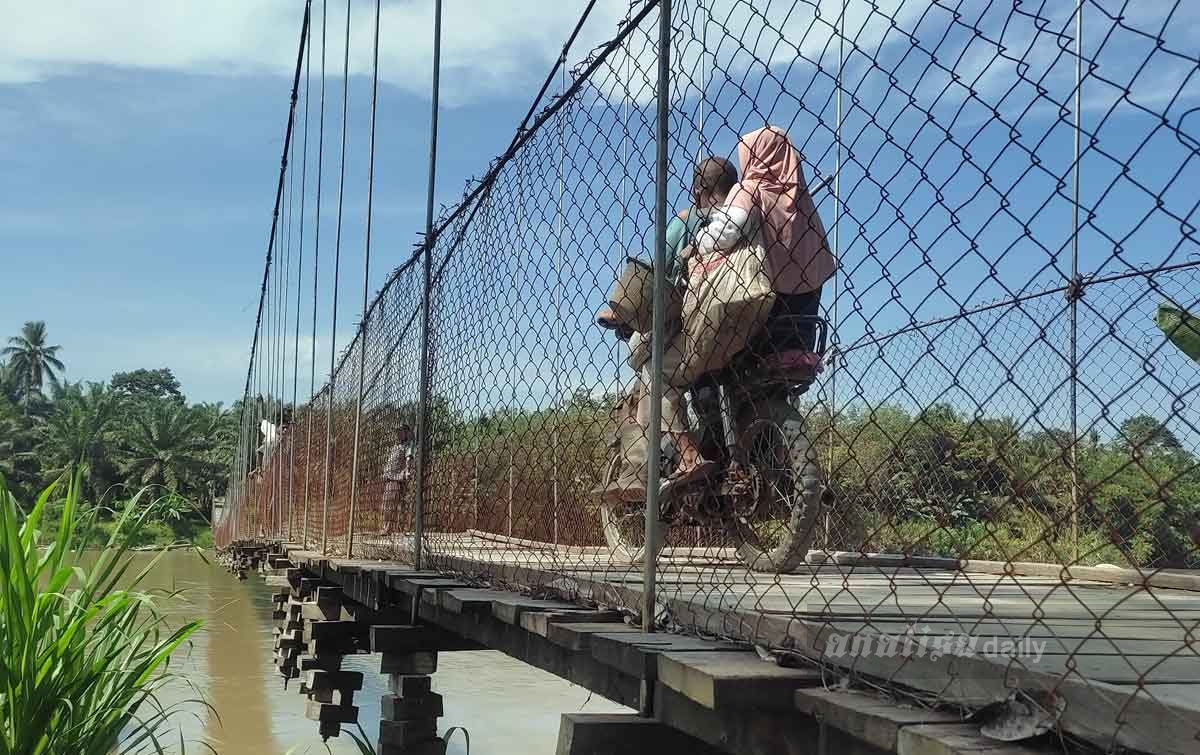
<point>32,360</point>
<point>77,430</point>
<point>167,445</point>
<point>9,429</point>
<point>10,385</point>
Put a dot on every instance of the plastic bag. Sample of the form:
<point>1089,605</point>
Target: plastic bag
<point>728,299</point>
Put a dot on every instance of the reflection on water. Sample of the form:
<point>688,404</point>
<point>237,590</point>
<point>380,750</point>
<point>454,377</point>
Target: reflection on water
<point>508,707</point>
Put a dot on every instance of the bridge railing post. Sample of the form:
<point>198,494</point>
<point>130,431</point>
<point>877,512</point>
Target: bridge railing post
<point>658,333</point>
<point>423,444</point>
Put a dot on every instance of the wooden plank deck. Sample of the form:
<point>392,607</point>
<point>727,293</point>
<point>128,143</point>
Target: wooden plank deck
<point>1123,658</point>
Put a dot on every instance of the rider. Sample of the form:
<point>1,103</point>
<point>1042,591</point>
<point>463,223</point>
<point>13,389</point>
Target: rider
<point>397,472</point>
<point>712,180</point>
<point>772,201</point>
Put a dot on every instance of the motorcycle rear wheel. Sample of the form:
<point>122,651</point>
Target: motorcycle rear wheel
<point>787,487</point>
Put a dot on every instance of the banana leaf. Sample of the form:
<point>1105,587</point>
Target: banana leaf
<point>1181,329</point>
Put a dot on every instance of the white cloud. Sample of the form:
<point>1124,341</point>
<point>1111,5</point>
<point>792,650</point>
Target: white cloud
<point>486,44</point>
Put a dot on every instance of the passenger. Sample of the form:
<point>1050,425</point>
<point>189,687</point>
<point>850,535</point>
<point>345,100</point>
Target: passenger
<point>774,197</point>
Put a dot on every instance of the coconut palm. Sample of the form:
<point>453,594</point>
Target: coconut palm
<point>32,360</point>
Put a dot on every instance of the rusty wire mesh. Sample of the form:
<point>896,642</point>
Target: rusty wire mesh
<point>999,408</point>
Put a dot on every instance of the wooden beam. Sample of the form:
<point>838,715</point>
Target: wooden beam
<point>733,680</point>
<point>866,716</point>
<point>623,734</point>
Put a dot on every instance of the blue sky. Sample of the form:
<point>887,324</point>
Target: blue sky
<point>139,149</point>
<point>138,171</point>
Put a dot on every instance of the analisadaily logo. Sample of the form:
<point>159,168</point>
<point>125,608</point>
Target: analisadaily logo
<point>926,642</point>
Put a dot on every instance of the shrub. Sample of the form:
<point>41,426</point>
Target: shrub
<point>82,651</point>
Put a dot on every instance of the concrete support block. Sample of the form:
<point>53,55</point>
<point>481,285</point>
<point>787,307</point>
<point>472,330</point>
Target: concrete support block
<point>407,733</point>
<point>409,686</point>
<point>323,661</point>
<point>433,746</point>
<point>397,708</point>
<point>408,664</point>
<point>329,713</point>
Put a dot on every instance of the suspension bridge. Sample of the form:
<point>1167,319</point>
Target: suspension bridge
<point>989,498</point>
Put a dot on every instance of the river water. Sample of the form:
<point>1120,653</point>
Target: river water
<point>506,706</point>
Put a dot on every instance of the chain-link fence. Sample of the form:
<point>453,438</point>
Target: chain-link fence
<point>930,355</point>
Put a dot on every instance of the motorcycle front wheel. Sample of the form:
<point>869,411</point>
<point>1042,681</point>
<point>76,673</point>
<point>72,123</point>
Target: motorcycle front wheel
<point>623,524</point>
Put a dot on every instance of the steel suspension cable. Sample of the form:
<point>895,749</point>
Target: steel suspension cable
<point>337,260</point>
<point>299,286</point>
<point>284,503</point>
<point>312,360</point>
<point>258,320</point>
<point>561,62</point>
<point>362,331</point>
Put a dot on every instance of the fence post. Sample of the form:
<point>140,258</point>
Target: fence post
<point>832,359</point>
<point>658,331</point>
<point>423,444</point>
<point>1075,290</point>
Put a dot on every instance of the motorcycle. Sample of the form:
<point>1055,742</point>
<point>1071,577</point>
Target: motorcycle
<point>768,491</point>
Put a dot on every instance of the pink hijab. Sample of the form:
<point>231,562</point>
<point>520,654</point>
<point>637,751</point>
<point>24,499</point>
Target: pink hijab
<point>798,257</point>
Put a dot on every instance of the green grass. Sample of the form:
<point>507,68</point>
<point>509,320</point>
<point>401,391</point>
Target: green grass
<point>83,651</point>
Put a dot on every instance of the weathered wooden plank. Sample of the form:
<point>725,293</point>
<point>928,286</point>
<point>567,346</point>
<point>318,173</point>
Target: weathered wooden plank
<point>414,585</point>
<point>510,608</point>
<point>331,630</point>
<point>635,653</point>
<point>409,639</point>
<point>578,636</point>
<point>539,623</point>
<point>866,717</point>
<point>952,739</point>
<point>320,679</point>
<point>409,686</point>
<point>407,734</point>
<point>468,600</point>
<point>724,679</point>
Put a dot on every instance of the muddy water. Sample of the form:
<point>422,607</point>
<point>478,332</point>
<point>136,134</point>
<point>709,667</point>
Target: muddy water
<point>507,707</point>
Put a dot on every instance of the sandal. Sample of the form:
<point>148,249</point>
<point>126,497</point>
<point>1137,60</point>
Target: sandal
<point>702,471</point>
<point>606,318</point>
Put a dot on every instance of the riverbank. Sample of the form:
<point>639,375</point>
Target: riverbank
<point>158,535</point>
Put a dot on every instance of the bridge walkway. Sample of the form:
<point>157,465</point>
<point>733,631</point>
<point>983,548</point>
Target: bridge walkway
<point>964,638</point>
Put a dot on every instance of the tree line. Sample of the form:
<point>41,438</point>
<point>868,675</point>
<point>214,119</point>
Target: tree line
<point>934,481</point>
<point>135,430</point>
